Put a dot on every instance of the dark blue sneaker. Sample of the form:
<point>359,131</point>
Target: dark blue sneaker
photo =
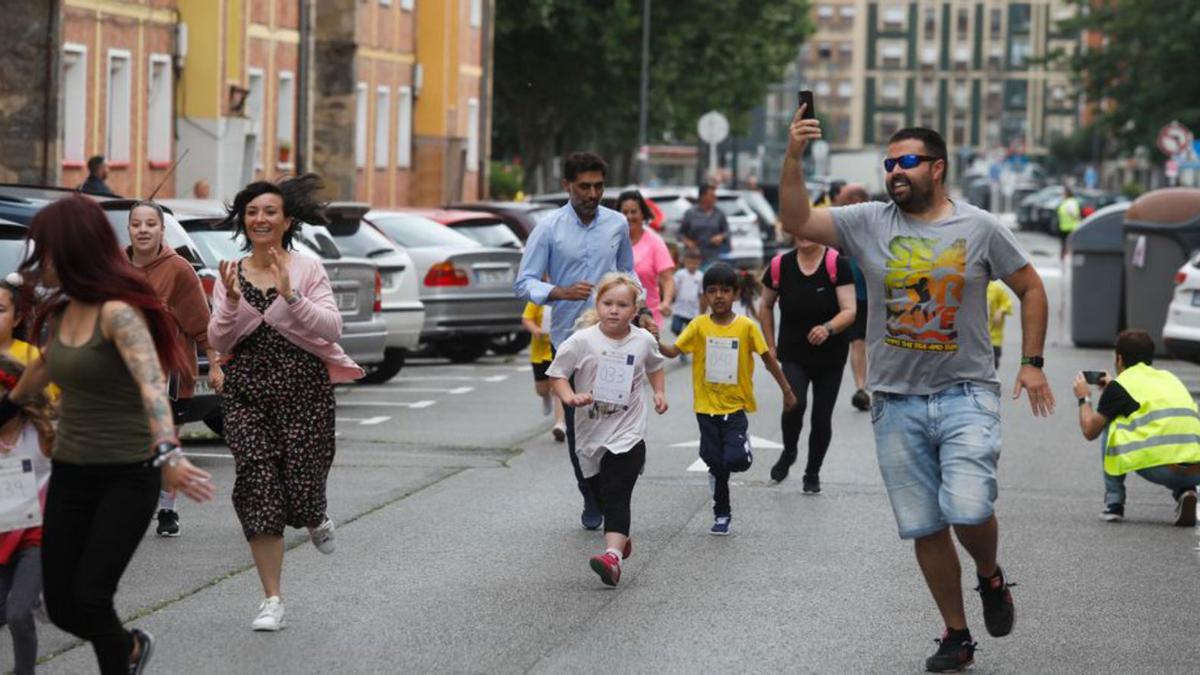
<point>591,518</point>
<point>720,526</point>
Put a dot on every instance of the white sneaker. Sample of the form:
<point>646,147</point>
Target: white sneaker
<point>270,615</point>
<point>322,536</point>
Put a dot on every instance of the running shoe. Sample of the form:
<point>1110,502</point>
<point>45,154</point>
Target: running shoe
<point>812,484</point>
<point>1185,509</point>
<point>861,400</point>
<point>607,567</point>
<point>955,653</point>
<point>145,643</point>
<point>999,613</point>
<point>322,536</point>
<point>270,615</point>
<point>168,523</point>
<point>1113,513</point>
<point>720,526</point>
<point>779,472</point>
<point>559,432</point>
<point>591,518</point>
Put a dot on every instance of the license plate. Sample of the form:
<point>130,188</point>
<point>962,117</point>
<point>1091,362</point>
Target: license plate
<point>1195,298</point>
<point>494,276</point>
<point>347,302</point>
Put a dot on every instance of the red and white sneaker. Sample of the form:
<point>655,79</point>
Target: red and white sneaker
<point>608,567</point>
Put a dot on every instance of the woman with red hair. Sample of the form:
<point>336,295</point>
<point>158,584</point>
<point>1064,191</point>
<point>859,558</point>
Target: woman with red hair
<point>110,341</point>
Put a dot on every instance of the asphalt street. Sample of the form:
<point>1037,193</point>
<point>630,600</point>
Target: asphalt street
<point>459,550</point>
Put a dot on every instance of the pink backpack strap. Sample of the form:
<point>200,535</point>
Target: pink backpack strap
<point>831,256</point>
<point>776,267</point>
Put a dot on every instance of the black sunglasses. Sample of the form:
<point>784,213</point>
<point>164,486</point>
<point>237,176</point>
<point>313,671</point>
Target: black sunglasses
<point>906,161</point>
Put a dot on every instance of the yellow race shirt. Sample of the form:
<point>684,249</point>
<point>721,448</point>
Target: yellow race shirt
<point>540,349</point>
<point>722,399</point>
<point>997,302</point>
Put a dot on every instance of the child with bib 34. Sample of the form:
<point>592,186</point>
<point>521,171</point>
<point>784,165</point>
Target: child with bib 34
<point>610,360</point>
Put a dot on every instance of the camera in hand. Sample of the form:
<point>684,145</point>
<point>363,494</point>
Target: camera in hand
<point>806,99</point>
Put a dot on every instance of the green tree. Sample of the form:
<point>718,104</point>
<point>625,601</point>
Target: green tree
<point>1140,77</point>
<point>567,72</point>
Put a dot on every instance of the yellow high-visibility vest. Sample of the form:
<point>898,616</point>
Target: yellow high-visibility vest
<point>1165,429</point>
<point>1068,215</point>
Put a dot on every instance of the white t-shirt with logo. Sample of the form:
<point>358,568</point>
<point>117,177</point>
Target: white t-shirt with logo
<point>614,370</point>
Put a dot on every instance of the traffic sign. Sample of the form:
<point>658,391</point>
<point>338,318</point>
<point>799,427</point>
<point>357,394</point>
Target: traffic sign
<point>713,127</point>
<point>1172,169</point>
<point>1174,138</point>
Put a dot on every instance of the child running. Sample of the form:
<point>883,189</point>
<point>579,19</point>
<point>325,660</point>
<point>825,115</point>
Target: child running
<point>723,344</point>
<point>999,307</point>
<point>610,359</point>
<point>536,320</point>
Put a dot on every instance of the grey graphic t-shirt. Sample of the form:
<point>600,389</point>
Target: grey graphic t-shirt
<point>927,326</point>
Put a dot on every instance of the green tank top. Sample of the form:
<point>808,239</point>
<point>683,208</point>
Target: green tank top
<point>103,419</point>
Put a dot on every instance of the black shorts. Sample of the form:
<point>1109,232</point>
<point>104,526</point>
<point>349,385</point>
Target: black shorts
<point>858,330</point>
<point>539,371</point>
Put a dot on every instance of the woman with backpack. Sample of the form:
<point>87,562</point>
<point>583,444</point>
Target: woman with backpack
<point>815,290</point>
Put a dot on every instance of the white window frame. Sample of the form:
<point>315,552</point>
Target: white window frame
<point>159,110</point>
<point>404,120</point>
<point>285,114</point>
<point>74,129</point>
<point>360,125</point>
<point>118,118</point>
<point>255,105</point>
<point>383,126</point>
<point>476,13</point>
<point>472,134</point>
<point>406,5</point>
<point>845,90</point>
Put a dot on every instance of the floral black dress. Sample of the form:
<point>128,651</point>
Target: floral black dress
<point>279,424</point>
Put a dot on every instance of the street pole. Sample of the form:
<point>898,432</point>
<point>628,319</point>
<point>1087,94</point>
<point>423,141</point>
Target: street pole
<point>643,110</point>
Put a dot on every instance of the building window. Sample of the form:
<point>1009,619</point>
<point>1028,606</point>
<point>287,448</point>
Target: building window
<point>847,12</point>
<point>383,120</point>
<point>930,22</point>
<point>476,13</point>
<point>404,127</point>
<point>846,52</point>
<point>958,134</point>
<point>254,110</point>
<point>893,18</point>
<point>158,105</point>
<point>845,90</point>
<point>386,3</point>
<point>1019,16</point>
<point>996,25</point>
<point>1016,94</point>
<point>472,134</point>
<point>960,95</point>
<point>996,55</point>
<point>995,97</point>
<point>1058,96</point>
<point>892,55</point>
<point>824,51</point>
<point>74,83</point>
<point>963,24</point>
<point>822,89</point>
<point>360,125</point>
<point>929,93</point>
<point>842,124</point>
<point>285,117</point>
<point>887,125</point>
<point>406,5</point>
<point>929,56</point>
<point>891,92</point>
<point>962,56</point>
<point>825,12</point>
<point>116,137</point>
<point>1019,50</point>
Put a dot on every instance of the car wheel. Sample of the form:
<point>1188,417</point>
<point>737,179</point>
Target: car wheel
<point>215,421</point>
<point>509,343</point>
<point>393,361</point>
<point>465,350</point>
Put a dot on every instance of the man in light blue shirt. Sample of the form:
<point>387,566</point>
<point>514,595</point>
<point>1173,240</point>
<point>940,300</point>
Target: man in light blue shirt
<point>573,248</point>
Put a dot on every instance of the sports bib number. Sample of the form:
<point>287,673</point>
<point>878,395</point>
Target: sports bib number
<point>614,379</point>
<point>19,505</point>
<point>721,360</point>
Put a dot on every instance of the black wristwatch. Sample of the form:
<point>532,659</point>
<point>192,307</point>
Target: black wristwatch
<point>1035,361</point>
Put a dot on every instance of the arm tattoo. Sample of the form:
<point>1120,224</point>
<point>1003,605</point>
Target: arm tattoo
<point>132,338</point>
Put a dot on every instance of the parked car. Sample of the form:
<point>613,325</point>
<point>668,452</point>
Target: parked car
<point>1028,206</point>
<point>485,228</point>
<point>1046,212</point>
<point>13,246</point>
<point>520,217</point>
<point>465,286</point>
<point>1181,333</point>
<point>357,285</point>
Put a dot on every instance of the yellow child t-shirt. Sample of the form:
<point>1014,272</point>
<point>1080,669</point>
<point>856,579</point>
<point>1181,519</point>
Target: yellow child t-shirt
<point>24,352</point>
<point>722,399</point>
<point>997,302</point>
<point>540,349</point>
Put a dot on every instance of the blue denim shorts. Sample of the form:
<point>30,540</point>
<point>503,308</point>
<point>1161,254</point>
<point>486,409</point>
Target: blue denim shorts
<point>938,456</point>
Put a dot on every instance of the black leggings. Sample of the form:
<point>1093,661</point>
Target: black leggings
<point>613,486</point>
<point>94,520</point>
<point>825,385</point>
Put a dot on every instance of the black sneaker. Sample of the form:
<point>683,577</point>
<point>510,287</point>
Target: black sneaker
<point>145,643</point>
<point>168,523</point>
<point>999,613</point>
<point>861,400</point>
<point>1185,509</point>
<point>955,652</point>
<point>1113,513</point>
<point>779,472</point>
<point>812,484</point>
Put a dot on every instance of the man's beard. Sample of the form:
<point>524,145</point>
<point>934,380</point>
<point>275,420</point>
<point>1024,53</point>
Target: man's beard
<point>586,209</point>
<point>918,198</point>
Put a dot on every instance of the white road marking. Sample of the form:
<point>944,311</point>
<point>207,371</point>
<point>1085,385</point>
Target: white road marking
<point>1049,272</point>
<point>366,422</point>
<point>450,378</point>
<point>454,392</point>
<point>415,405</point>
<point>698,465</point>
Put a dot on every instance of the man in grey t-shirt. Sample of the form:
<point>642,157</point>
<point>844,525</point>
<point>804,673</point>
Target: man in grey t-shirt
<point>704,227</point>
<point>935,404</point>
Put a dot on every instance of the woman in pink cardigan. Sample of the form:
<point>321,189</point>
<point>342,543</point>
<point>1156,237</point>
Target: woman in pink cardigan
<point>276,318</point>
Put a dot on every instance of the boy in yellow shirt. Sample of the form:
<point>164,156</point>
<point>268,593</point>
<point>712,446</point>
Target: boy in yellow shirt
<point>536,320</point>
<point>999,306</point>
<point>723,345</point>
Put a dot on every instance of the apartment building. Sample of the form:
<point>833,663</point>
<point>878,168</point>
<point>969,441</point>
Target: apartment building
<point>391,104</point>
<point>969,68</point>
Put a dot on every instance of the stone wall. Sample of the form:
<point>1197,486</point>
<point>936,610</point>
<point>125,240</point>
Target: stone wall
<point>29,99</point>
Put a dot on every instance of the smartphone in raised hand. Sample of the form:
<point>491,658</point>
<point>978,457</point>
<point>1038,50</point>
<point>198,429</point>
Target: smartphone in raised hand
<point>806,100</point>
<point>1093,377</point>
